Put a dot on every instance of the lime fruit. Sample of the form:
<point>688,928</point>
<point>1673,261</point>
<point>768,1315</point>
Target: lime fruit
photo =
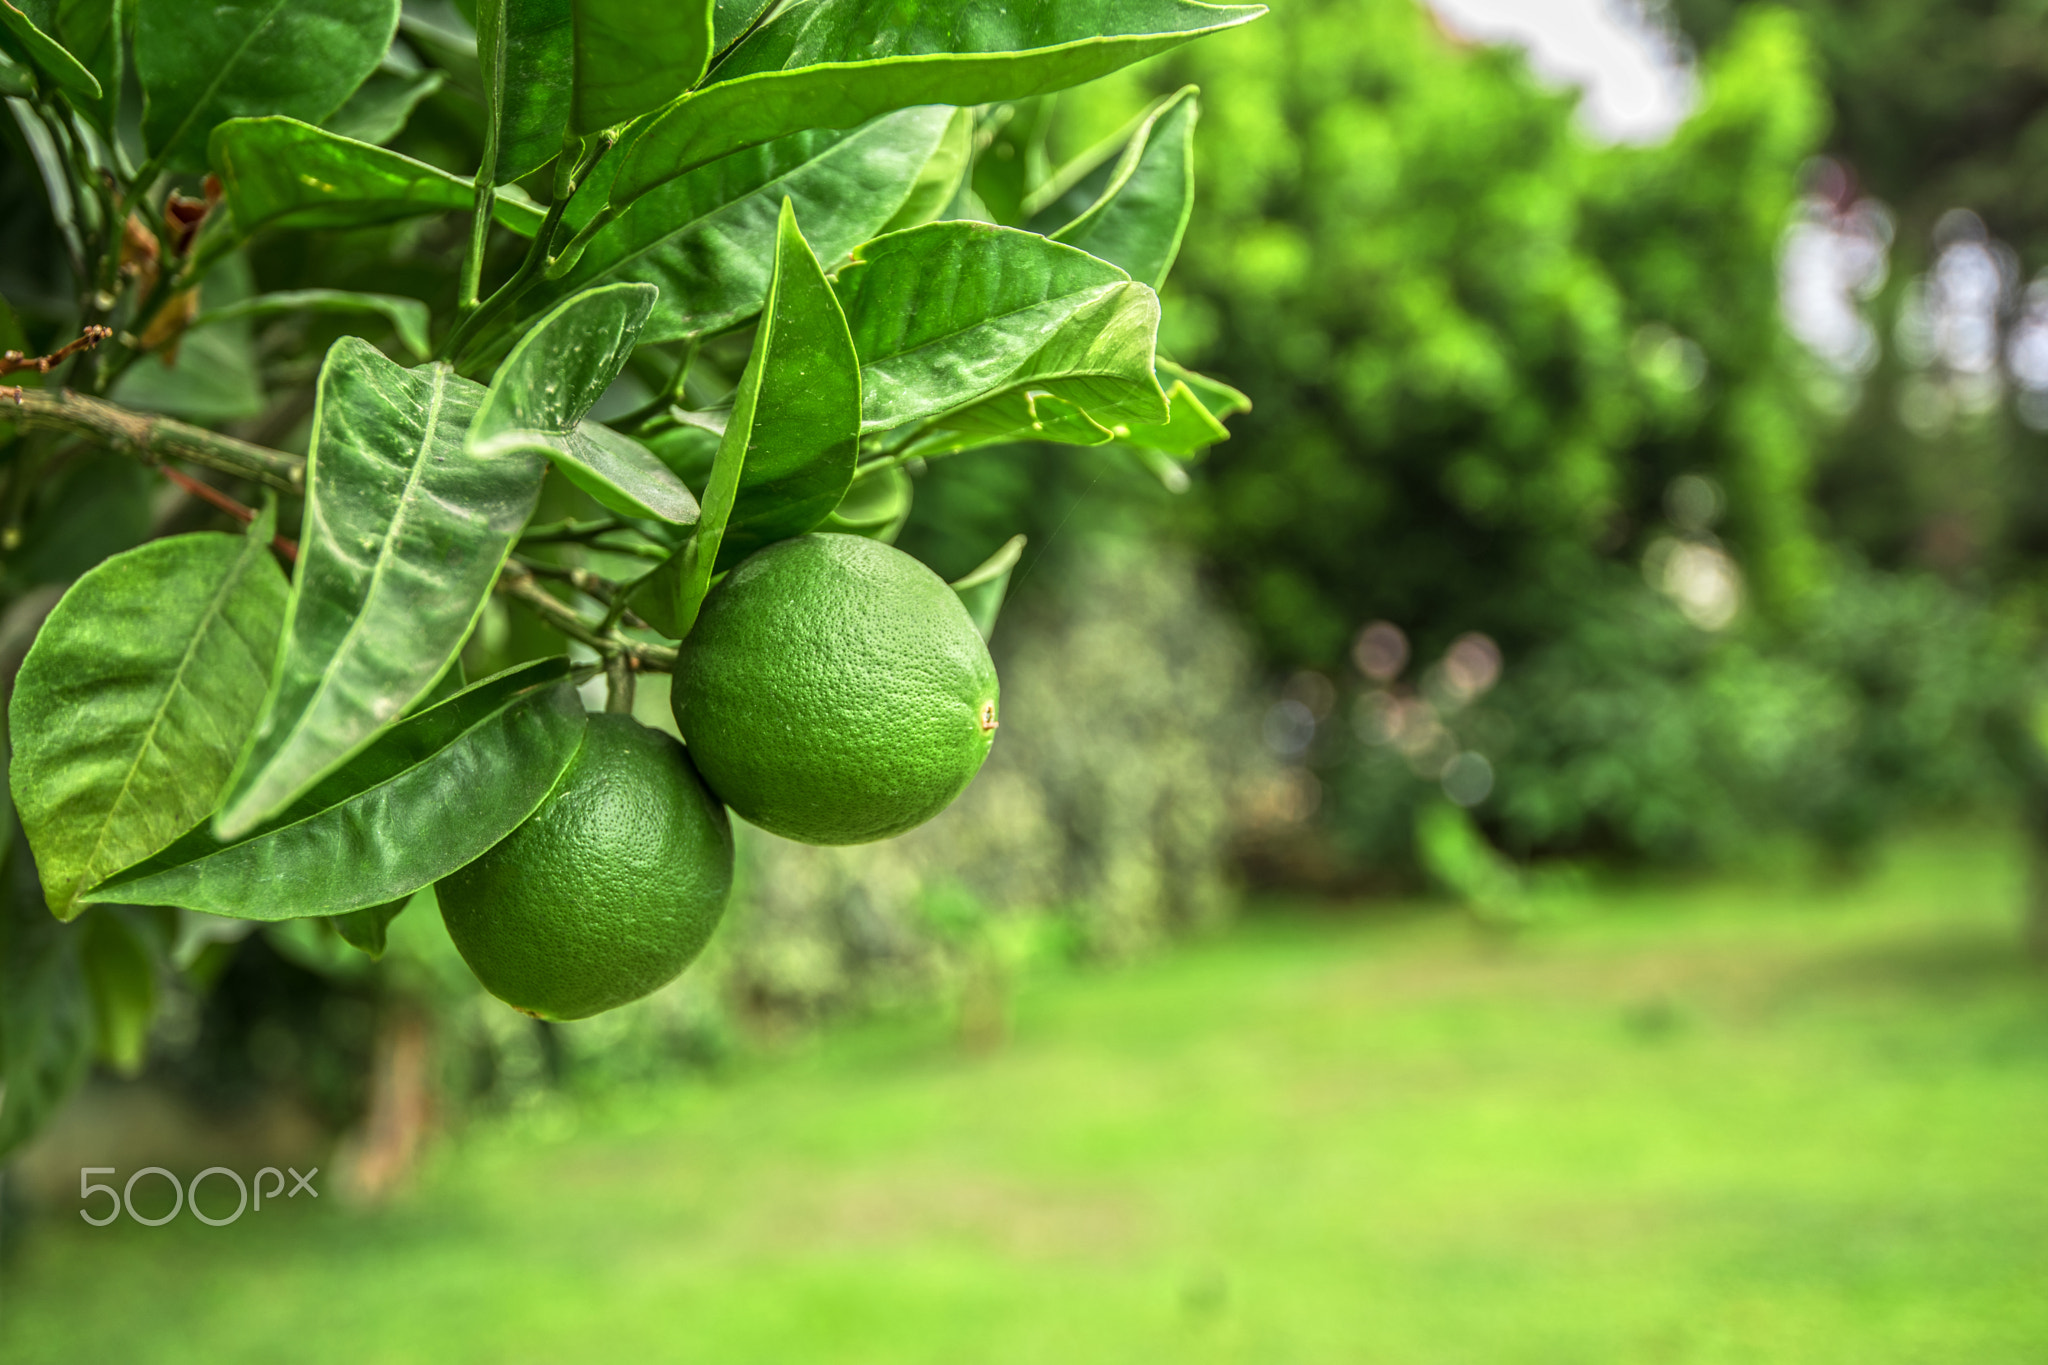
<point>835,691</point>
<point>608,890</point>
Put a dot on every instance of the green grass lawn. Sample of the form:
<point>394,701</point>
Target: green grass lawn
<point>1742,1121</point>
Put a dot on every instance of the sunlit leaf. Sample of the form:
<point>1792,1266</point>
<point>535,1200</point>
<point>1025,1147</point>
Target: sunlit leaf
<point>952,313</point>
<point>837,63</point>
<point>405,530</point>
<point>1141,217</point>
<point>707,239</point>
<point>136,698</point>
<point>203,64</point>
<point>426,797</point>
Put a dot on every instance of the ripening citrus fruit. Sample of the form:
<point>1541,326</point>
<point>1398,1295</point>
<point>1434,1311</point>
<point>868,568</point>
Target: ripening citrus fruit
<point>835,691</point>
<point>608,890</point>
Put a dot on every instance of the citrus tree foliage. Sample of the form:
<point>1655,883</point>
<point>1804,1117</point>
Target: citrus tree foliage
<point>589,295</point>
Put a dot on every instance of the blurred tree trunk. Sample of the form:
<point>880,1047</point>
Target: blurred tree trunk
<point>383,1153</point>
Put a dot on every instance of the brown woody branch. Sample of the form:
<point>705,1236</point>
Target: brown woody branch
<point>151,439</point>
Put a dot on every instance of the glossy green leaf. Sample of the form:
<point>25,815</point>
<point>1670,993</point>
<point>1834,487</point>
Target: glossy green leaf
<point>982,590</point>
<point>279,172</point>
<point>804,436</point>
<point>952,313</point>
<point>1141,217</point>
<point>559,369</point>
<point>632,56</point>
<point>877,506</point>
<point>405,531</point>
<point>48,55</point>
<point>1014,417</point>
<point>837,63</point>
<point>426,797</point>
<point>408,316</point>
<point>203,64</point>
<point>46,1024</point>
<point>136,698</point>
<point>121,976</point>
<point>367,929</point>
<point>381,106</point>
<point>1190,428</point>
<point>795,415</point>
<point>942,178</point>
<point>623,475</point>
<point>707,240</point>
<point>732,18</point>
<point>1219,398</point>
<point>524,47</point>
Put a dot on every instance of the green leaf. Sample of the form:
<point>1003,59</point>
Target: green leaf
<point>408,316</point>
<point>708,239</point>
<point>120,973</point>
<point>836,63</point>
<point>796,412</point>
<point>202,64</point>
<point>1191,427</point>
<point>731,18</point>
<point>48,55</point>
<point>1214,395</point>
<point>89,31</point>
<point>16,79</point>
<point>136,698</point>
<point>279,172</point>
<point>1014,417</point>
<point>877,506</point>
<point>46,1024</point>
<point>405,531</point>
<point>951,313</point>
<point>559,369</point>
<point>380,107</point>
<point>804,426</point>
<point>632,56</point>
<point>938,184</point>
<point>426,797</point>
<point>1141,217</point>
<point>982,590</point>
<point>367,929</point>
<point>623,475</point>
<point>524,46</point>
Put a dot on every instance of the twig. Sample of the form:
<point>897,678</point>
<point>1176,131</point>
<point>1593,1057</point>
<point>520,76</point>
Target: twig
<point>519,583</point>
<point>152,439</point>
<point>207,493</point>
<point>584,581</point>
<point>10,361</point>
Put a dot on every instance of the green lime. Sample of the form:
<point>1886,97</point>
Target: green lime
<point>835,691</point>
<point>607,891</point>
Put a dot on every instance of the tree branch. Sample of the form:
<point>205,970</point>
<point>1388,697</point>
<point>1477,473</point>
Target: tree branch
<point>518,582</point>
<point>151,439</point>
